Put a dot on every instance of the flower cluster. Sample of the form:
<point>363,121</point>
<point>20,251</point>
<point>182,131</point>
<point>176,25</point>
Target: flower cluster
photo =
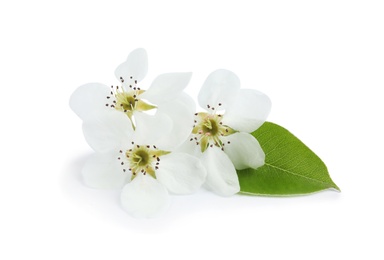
<point>150,142</point>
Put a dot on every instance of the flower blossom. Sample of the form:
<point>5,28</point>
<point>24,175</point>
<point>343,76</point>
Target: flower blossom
<point>128,97</point>
<point>165,95</point>
<point>141,162</point>
<point>221,136</point>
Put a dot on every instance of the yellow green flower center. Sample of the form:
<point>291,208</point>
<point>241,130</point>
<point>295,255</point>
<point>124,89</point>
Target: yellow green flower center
<point>128,101</point>
<point>208,130</point>
<point>142,159</point>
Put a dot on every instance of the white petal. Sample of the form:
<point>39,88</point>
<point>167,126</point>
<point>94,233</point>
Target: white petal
<point>151,128</point>
<point>103,171</point>
<point>87,100</point>
<point>244,151</point>
<point>181,173</point>
<point>248,112</point>
<point>219,88</point>
<point>166,87</point>
<point>144,197</point>
<point>108,131</point>
<point>189,147</point>
<point>181,112</point>
<point>221,174</point>
<point>135,66</point>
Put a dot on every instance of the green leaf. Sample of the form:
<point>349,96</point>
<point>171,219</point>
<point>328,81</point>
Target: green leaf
<point>290,168</point>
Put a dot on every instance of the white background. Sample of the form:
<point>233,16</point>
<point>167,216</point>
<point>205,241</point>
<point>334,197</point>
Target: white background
<point>321,63</point>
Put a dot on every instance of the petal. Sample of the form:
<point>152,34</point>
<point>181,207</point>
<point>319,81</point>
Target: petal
<point>181,112</point>
<point>219,89</point>
<point>190,147</point>
<point>221,174</point>
<point>244,151</point>
<point>144,197</point>
<point>181,173</point>
<point>166,87</point>
<point>151,128</point>
<point>87,100</point>
<point>249,111</point>
<point>103,171</point>
<point>107,131</point>
<point>136,66</point>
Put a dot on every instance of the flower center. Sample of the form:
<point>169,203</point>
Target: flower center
<point>142,159</point>
<point>208,130</point>
<point>128,101</point>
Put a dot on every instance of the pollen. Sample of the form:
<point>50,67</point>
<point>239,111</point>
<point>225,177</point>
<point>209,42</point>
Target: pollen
<point>209,129</point>
<point>142,159</point>
<point>126,98</point>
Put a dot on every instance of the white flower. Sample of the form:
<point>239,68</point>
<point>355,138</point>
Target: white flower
<point>90,100</point>
<point>139,162</point>
<point>222,140</point>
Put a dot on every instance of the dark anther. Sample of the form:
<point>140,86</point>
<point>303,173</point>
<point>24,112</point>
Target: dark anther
<point>196,114</point>
<point>122,163</point>
<point>138,146</point>
<point>148,146</point>
<point>228,142</point>
<point>208,106</point>
<point>156,167</point>
<point>219,104</point>
<point>124,170</point>
<point>108,97</point>
<point>106,105</point>
<point>120,151</point>
<point>154,146</point>
<point>158,159</point>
